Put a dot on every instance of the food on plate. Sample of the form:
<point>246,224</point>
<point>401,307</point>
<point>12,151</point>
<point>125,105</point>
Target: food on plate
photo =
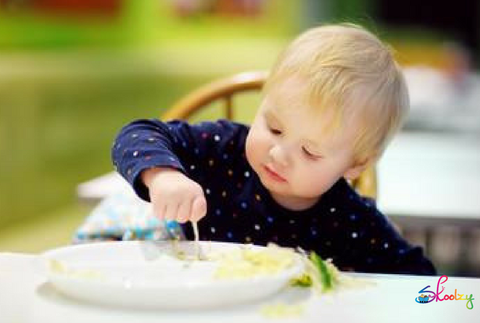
<point>241,262</point>
<point>59,267</point>
<point>249,262</point>
<point>320,274</point>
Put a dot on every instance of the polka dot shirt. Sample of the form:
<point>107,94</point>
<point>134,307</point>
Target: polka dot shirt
<point>342,226</point>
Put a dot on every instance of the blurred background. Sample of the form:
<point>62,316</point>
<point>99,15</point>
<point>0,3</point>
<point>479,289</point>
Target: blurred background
<point>72,72</point>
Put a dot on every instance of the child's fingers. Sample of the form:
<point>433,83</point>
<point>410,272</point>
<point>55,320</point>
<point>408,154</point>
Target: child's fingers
<point>159,210</point>
<point>171,211</point>
<point>199,208</point>
<point>184,211</point>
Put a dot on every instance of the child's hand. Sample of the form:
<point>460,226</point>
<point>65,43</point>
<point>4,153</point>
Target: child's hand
<point>174,196</point>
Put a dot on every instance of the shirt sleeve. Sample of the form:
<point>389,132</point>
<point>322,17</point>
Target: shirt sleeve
<point>189,148</point>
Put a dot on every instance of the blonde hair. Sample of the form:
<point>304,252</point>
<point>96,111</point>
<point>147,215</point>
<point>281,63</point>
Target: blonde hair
<point>349,72</point>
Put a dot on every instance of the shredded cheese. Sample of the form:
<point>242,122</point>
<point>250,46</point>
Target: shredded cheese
<point>250,262</point>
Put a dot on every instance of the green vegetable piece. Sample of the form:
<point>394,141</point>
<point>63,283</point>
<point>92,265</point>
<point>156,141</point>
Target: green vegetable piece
<point>323,270</point>
<point>302,281</point>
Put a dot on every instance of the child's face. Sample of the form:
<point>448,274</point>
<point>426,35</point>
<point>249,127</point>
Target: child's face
<point>287,150</point>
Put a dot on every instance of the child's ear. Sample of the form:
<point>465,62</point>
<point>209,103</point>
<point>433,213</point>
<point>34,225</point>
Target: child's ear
<point>356,169</point>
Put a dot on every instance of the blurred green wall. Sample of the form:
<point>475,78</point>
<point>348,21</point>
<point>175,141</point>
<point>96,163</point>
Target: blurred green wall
<point>66,87</point>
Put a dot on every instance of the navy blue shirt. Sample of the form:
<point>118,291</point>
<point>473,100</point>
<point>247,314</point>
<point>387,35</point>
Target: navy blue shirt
<point>342,225</point>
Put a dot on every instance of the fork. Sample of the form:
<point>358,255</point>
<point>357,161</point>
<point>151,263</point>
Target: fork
<point>176,235</point>
<point>200,255</point>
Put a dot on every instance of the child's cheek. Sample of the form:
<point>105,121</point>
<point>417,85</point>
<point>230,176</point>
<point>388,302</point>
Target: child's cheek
<point>256,146</point>
<point>249,148</point>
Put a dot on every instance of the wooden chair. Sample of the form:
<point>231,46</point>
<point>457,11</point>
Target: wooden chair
<point>225,90</point>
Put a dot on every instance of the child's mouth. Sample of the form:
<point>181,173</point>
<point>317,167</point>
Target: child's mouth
<point>273,175</point>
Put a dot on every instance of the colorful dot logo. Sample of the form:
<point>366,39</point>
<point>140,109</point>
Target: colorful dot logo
<point>422,299</point>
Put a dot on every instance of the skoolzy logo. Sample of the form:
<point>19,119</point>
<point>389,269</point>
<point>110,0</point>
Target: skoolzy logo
<point>427,296</point>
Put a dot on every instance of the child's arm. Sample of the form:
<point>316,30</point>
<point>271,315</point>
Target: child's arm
<point>169,163</point>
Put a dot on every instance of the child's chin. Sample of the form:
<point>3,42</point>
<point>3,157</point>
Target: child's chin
<point>274,187</point>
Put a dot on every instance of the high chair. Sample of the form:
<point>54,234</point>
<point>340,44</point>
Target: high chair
<point>224,90</point>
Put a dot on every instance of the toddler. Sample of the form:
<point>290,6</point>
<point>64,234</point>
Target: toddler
<point>331,103</point>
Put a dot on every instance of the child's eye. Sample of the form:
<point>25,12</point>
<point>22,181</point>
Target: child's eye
<point>274,131</point>
<point>309,154</point>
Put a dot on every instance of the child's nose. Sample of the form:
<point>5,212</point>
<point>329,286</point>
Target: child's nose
<point>279,155</point>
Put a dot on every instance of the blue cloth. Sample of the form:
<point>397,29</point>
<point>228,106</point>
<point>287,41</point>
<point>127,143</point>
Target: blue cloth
<point>123,216</point>
<point>342,225</point>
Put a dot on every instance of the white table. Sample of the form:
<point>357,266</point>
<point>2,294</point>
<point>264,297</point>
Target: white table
<point>425,179</point>
<point>431,179</point>
<point>25,297</point>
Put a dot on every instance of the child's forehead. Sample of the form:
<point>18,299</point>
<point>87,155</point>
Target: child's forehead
<point>290,99</point>
<point>289,89</point>
<point>295,93</point>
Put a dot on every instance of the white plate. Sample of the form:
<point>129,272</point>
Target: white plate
<point>145,274</point>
